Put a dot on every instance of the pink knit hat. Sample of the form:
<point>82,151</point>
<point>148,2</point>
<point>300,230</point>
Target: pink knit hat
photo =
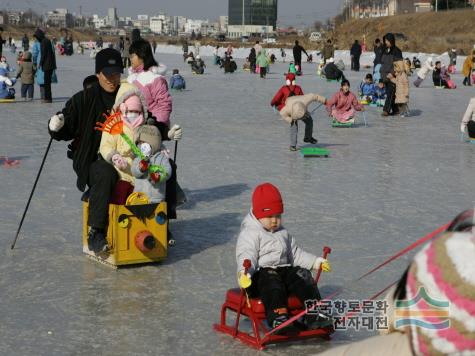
<point>133,103</point>
<point>445,268</point>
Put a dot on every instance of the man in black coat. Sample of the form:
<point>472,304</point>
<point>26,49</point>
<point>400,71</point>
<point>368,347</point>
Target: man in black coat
<point>355,53</point>
<point>391,53</point>
<point>47,63</point>
<point>77,122</point>
<point>297,51</point>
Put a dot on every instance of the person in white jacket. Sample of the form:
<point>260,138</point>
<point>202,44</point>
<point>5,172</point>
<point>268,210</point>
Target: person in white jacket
<point>426,68</point>
<point>278,267</point>
<point>468,120</point>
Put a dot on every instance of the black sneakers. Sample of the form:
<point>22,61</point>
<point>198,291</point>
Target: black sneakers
<point>310,140</point>
<point>318,321</point>
<point>96,241</point>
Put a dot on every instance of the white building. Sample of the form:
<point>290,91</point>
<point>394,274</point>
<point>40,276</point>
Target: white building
<point>60,18</point>
<point>142,21</point>
<point>157,25</point>
<point>223,23</point>
<point>194,25</point>
<point>99,22</point>
<point>236,31</point>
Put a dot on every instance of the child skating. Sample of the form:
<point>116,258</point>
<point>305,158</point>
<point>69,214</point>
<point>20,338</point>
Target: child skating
<point>288,90</point>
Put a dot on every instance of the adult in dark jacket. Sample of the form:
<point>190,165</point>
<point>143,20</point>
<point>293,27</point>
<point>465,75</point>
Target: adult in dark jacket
<point>332,72</point>
<point>355,53</point>
<point>47,62</point>
<point>25,42</point>
<point>77,122</point>
<point>391,53</point>
<point>378,51</point>
<point>297,51</point>
<point>252,59</point>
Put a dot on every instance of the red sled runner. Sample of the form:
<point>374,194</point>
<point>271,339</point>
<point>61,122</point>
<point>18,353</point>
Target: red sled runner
<point>253,308</point>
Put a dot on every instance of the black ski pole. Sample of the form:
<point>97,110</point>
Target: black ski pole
<point>174,154</point>
<point>31,194</point>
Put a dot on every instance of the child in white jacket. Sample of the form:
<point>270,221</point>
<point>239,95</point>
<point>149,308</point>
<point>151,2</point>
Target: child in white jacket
<point>278,266</point>
<point>426,68</point>
<point>468,120</point>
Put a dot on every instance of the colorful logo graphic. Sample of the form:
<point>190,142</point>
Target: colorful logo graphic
<point>422,311</point>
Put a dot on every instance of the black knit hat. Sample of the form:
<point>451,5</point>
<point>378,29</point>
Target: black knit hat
<point>109,61</point>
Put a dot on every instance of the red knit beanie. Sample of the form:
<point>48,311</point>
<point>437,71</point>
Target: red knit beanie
<point>266,201</point>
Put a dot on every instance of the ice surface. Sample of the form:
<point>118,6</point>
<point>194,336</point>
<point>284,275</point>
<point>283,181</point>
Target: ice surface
<point>383,187</point>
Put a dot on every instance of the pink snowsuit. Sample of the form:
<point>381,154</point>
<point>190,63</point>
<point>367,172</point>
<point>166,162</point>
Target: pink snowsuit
<point>154,87</point>
<point>342,106</point>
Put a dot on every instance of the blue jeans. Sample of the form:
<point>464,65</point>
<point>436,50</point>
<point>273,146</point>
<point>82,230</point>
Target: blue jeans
<point>27,89</point>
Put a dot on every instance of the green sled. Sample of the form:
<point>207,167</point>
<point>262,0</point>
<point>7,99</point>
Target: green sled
<point>314,152</point>
<point>342,124</point>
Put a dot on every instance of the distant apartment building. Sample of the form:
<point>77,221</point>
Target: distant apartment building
<point>193,25</point>
<point>60,18</point>
<point>378,8</point>
<point>99,22</point>
<point>223,23</point>
<point>14,17</point>
<point>112,17</point>
<point>142,22</point>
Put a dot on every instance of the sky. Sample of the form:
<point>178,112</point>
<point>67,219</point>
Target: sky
<point>290,12</point>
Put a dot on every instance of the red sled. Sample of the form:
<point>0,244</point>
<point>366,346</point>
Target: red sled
<point>253,308</point>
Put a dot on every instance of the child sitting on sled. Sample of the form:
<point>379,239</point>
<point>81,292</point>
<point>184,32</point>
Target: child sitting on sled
<point>380,93</point>
<point>278,266</point>
<point>177,82</point>
<point>151,182</point>
<point>343,104</point>
<point>367,89</point>
<point>6,84</point>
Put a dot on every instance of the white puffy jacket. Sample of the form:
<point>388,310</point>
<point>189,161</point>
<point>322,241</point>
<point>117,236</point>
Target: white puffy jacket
<point>268,249</point>
<point>425,68</point>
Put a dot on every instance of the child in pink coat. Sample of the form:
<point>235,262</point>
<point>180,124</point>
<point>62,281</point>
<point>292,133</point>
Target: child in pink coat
<point>343,104</point>
<point>147,75</point>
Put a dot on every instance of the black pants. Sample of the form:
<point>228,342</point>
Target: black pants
<point>47,85</point>
<point>170,195</point>
<point>263,72</point>
<point>102,180</point>
<point>298,62</point>
<point>274,286</point>
<point>471,129</point>
<point>27,89</point>
<point>355,63</point>
<point>389,105</point>
<point>467,80</point>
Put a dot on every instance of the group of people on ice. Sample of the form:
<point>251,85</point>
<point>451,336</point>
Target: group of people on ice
<point>110,167</point>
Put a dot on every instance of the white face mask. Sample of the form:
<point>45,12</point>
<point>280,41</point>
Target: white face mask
<point>132,115</point>
<point>145,148</point>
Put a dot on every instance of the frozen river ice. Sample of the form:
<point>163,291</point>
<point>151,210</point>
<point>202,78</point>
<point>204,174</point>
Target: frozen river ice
<point>383,187</point>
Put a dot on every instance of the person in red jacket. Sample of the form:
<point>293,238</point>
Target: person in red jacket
<point>288,90</point>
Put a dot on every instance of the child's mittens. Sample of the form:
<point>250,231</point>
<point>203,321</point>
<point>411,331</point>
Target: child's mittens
<point>323,263</point>
<point>119,162</point>
<point>143,165</point>
<point>244,280</point>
